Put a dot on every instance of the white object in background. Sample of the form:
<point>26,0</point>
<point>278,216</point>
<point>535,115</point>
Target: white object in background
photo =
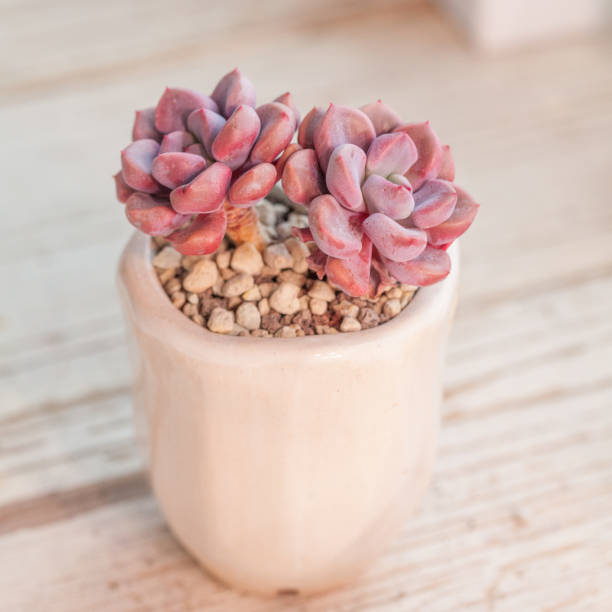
<point>498,24</point>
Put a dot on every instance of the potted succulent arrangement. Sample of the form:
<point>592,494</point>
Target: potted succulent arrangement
<point>287,323</point>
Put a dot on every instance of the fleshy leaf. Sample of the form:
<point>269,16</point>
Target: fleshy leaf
<point>384,196</point>
<point>152,216</point>
<point>447,169</point>
<point>233,90</point>
<point>302,233</point>
<point>253,185</point>
<point>352,274</point>
<point>431,266</point>
<point>341,125</point>
<point>434,203</point>
<point>277,129</point>
<point>175,142</point>
<point>392,240</point>
<point>317,261</point>
<point>175,105</point>
<point>205,125</point>
<point>287,100</point>
<point>391,154</point>
<point>174,169</point>
<point>336,230</point>
<point>144,125</point>
<point>122,189</point>
<point>282,160</point>
<point>309,125</point>
<point>202,236</point>
<point>345,174</point>
<point>235,139</point>
<point>196,148</point>
<point>205,193</point>
<point>302,179</point>
<point>136,163</point>
<point>462,217</point>
<point>429,151</point>
<point>382,117</point>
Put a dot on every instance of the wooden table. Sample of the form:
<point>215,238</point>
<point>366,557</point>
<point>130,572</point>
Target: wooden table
<point>519,516</point>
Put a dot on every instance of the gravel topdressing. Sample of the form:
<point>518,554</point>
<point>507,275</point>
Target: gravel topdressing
<point>239,291</point>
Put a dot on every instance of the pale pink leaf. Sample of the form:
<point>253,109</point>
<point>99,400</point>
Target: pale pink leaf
<point>174,169</point>
<point>384,196</point>
<point>391,154</point>
<point>302,179</point>
<point>429,151</point>
<point>205,193</point>
<point>277,129</point>
<point>233,90</point>
<point>392,240</point>
<point>253,185</point>
<point>202,236</point>
<point>152,216</point>
<point>431,266</point>
<point>235,139</point>
<point>175,105</point>
<point>136,164</point>
<point>345,174</point>
<point>434,203</point>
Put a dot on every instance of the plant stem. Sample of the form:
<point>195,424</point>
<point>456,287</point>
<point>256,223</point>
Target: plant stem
<point>243,226</point>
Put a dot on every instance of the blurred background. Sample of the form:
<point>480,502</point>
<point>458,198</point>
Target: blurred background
<point>521,89</point>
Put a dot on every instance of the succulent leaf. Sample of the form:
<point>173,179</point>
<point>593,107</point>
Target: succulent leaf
<point>151,215</point>
<point>391,154</point>
<point>232,91</point>
<point>144,125</point>
<point>122,189</point>
<point>382,117</point>
<point>429,150</point>
<point>136,164</point>
<point>282,160</point>
<point>205,124</point>
<point>196,148</point>
<point>287,100</point>
<point>447,168</point>
<point>385,196</point>
<point>345,174</point>
<point>233,143</point>
<point>202,236</point>
<point>392,240</point>
<point>352,274</point>
<point>175,142</point>
<point>341,125</point>
<point>205,193</point>
<point>461,218</point>
<point>277,129</point>
<point>175,105</point>
<point>434,203</point>
<point>174,169</point>
<point>253,185</point>
<point>336,230</point>
<point>309,125</point>
<point>431,266</point>
<point>302,179</point>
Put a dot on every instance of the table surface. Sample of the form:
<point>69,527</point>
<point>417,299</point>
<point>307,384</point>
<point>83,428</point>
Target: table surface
<point>519,515</point>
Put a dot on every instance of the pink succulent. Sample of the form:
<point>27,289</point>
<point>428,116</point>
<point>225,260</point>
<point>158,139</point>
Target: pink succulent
<point>193,154</point>
<point>380,197</point>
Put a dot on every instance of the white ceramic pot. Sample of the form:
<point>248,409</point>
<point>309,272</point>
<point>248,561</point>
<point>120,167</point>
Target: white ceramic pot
<point>285,464</point>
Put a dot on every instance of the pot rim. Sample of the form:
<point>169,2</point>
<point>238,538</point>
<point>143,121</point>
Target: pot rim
<point>153,312</point>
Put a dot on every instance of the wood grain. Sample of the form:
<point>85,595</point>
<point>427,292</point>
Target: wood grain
<point>519,516</point>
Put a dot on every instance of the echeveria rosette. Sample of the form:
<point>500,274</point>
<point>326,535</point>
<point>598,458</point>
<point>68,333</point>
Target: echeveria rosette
<point>381,202</point>
<point>194,158</point>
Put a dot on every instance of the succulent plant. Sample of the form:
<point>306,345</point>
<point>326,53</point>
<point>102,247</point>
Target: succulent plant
<point>198,163</point>
<point>381,202</point>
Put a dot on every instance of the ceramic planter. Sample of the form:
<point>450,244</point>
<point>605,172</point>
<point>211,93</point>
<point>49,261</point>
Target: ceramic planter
<point>285,464</point>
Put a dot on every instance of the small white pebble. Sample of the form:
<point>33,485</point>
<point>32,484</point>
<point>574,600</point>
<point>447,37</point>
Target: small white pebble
<point>193,298</point>
<point>277,256</point>
<point>284,299</point>
<point>304,300</point>
<point>392,308</point>
<point>285,332</point>
<point>405,299</point>
<point>290,276</point>
<point>322,291</point>
<point>252,295</point>
<point>248,316</point>
<point>317,306</point>
<point>263,306</point>
<point>223,259</point>
<point>247,258</point>
<point>284,230</point>
<point>237,284</point>
<point>202,276</point>
<point>267,288</point>
<point>234,301</point>
<point>221,321</point>
<point>346,309</point>
<point>350,324</point>
<point>266,213</point>
<point>167,258</point>
<point>394,292</point>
